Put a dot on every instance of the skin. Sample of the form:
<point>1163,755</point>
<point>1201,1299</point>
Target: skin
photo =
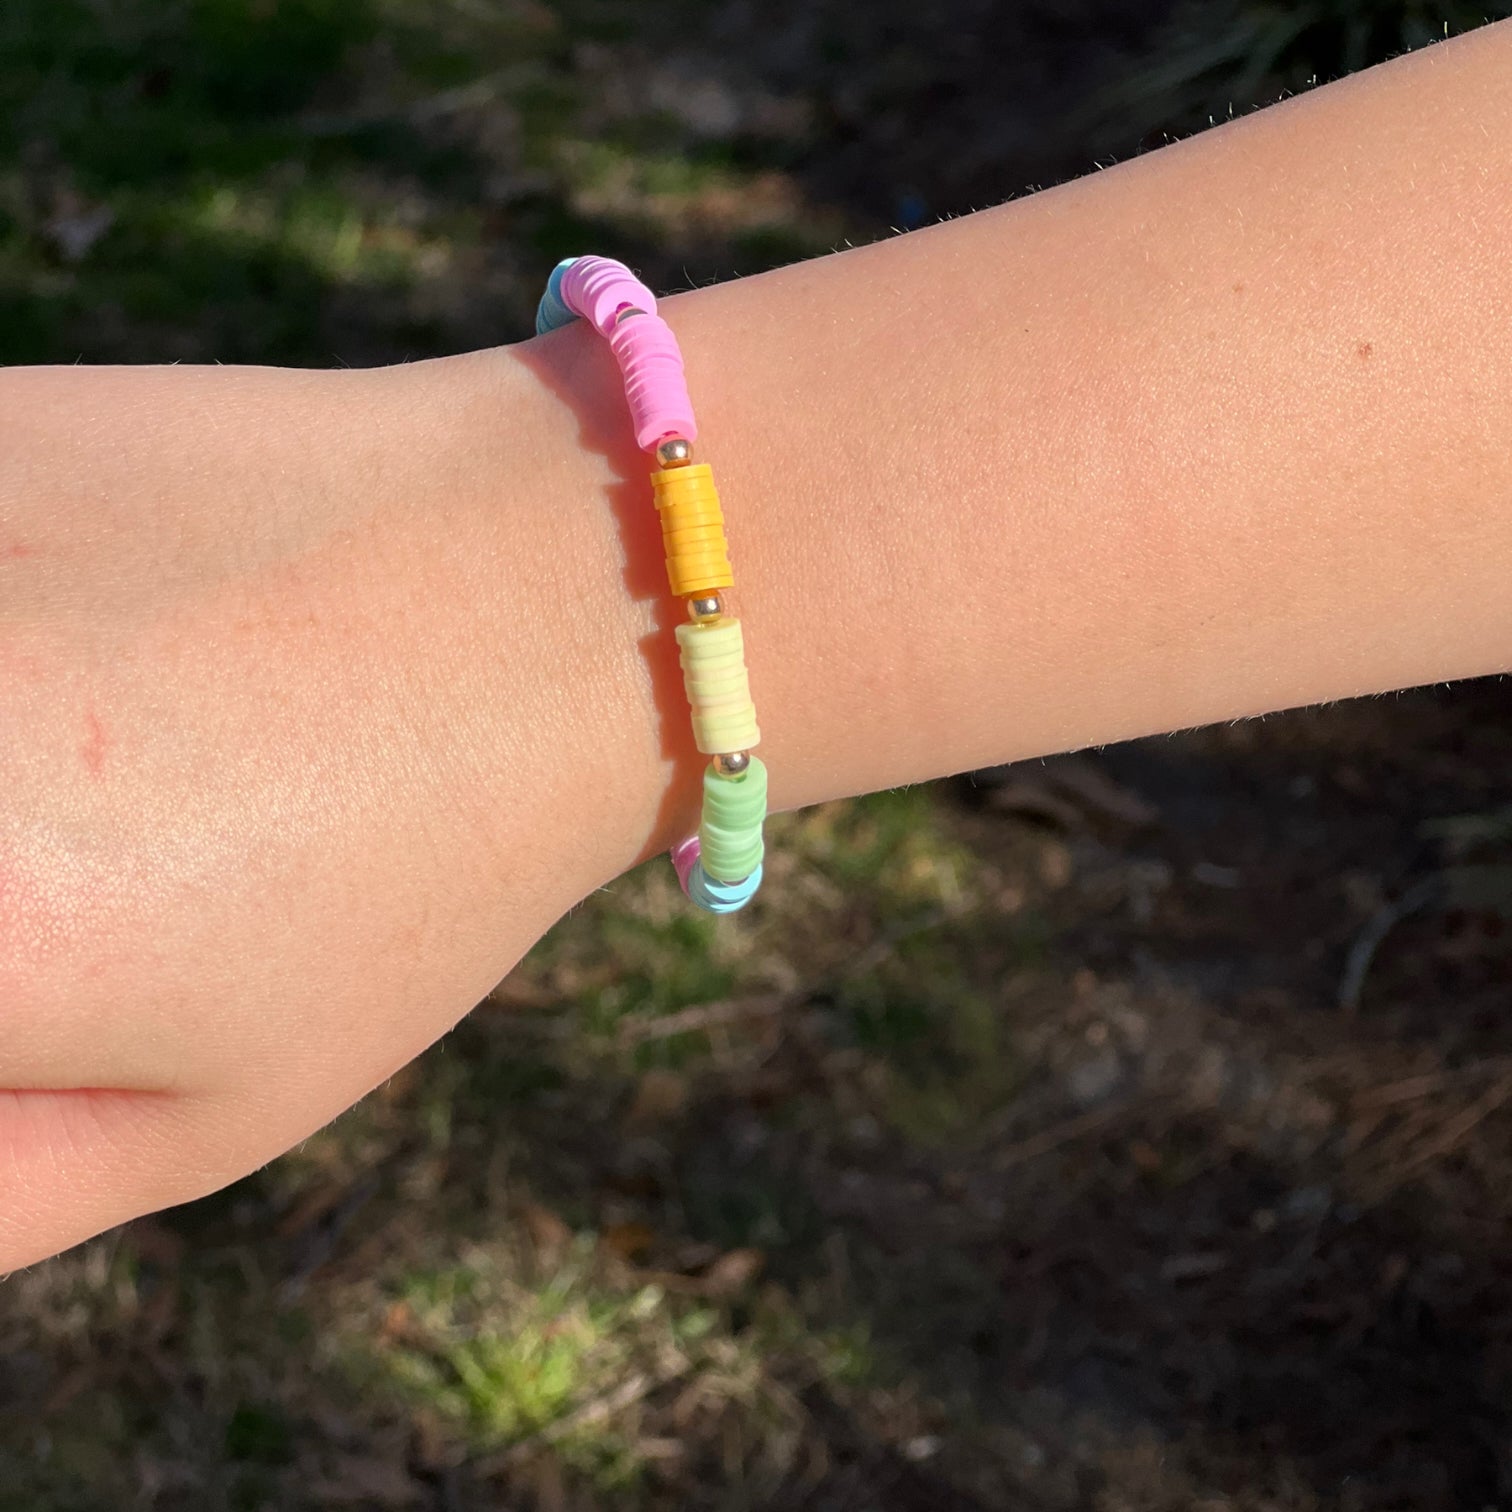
<point>322,695</point>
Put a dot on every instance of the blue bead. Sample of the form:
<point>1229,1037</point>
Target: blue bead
<point>552,312</point>
<point>721,897</point>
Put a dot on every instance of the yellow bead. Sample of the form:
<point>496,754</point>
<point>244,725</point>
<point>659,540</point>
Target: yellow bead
<point>698,558</point>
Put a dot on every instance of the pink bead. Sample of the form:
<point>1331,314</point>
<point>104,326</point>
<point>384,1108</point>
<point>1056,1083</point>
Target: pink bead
<point>685,858</point>
<point>655,385</point>
<point>598,288</point>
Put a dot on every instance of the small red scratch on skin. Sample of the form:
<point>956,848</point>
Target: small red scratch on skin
<point>1364,350</point>
<point>93,749</point>
<point>16,551</point>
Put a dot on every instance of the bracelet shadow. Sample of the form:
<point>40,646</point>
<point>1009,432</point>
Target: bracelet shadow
<point>575,366</point>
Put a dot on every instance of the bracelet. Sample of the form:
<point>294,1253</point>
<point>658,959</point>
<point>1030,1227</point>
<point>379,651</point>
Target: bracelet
<point>719,867</point>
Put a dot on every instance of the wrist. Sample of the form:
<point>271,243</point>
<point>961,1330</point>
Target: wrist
<point>566,678</point>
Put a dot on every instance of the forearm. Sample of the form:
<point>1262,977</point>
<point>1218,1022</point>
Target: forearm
<point>1222,430</point>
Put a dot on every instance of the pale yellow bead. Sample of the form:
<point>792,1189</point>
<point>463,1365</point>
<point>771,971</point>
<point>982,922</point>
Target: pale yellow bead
<point>719,690</point>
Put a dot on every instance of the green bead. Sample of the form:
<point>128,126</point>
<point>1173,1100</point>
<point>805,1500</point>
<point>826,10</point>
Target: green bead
<point>734,810</point>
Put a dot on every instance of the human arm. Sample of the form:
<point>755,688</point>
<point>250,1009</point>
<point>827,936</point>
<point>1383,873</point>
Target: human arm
<point>323,695</point>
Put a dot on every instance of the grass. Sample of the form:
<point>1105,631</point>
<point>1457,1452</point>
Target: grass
<point>573,1363</point>
<point>307,181</point>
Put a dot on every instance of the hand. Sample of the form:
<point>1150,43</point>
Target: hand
<point>287,750</point>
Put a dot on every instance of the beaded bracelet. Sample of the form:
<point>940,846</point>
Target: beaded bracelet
<point>719,867</point>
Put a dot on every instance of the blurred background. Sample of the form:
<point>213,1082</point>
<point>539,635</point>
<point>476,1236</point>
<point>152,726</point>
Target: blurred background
<point>1126,1131</point>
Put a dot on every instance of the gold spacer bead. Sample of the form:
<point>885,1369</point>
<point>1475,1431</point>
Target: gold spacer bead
<point>732,763</point>
<point>674,451</point>
<point>706,608</point>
